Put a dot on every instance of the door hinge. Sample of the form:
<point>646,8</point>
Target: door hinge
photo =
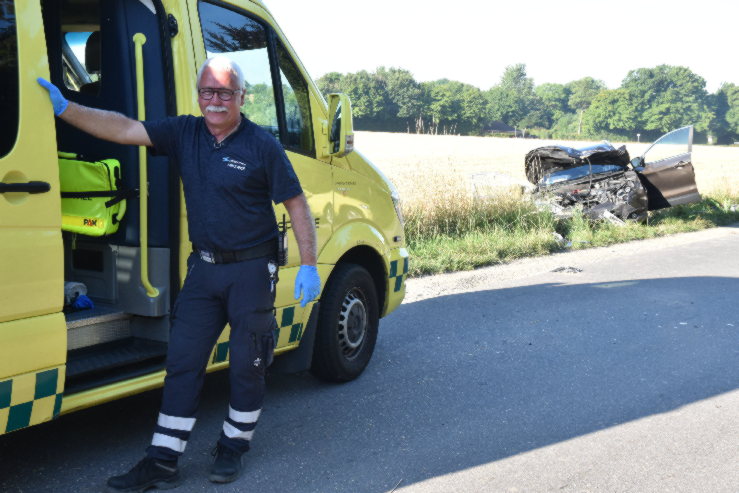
<point>172,26</point>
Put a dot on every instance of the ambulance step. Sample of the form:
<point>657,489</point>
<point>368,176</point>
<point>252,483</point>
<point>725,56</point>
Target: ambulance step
<point>97,326</point>
<point>111,362</point>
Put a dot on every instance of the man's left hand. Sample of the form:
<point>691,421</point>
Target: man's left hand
<point>309,283</point>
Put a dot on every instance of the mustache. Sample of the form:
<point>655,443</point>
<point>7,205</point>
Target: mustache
<point>216,109</point>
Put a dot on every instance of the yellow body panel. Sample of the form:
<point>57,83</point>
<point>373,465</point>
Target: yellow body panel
<point>30,224</point>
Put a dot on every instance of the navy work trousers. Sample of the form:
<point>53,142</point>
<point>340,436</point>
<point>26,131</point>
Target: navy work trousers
<point>241,295</point>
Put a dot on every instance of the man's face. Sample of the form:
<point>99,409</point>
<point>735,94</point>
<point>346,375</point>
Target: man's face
<point>220,114</point>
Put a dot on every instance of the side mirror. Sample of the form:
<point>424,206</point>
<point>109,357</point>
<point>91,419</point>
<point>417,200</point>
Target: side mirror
<point>341,130</point>
<point>637,162</point>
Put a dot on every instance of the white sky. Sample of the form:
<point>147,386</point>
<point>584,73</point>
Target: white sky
<point>474,40</point>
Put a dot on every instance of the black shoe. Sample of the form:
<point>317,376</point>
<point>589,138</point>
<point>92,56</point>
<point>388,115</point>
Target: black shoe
<point>148,473</point>
<point>226,466</point>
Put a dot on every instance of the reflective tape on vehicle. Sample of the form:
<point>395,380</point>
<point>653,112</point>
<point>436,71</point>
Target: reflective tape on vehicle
<point>286,323</point>
<point>30,399</point>
<point>398,271</point>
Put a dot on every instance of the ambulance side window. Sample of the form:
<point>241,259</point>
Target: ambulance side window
<point>299,131</point>
<point>244,40</point>
<point>8,77</point>
<point>81,45</point>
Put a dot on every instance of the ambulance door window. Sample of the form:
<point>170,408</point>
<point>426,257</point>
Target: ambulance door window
<point>299,131</point>
<point>244,40</point>
<point>8,77</point>
<point>81,45</point>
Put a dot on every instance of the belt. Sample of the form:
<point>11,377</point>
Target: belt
<point>225,257</point>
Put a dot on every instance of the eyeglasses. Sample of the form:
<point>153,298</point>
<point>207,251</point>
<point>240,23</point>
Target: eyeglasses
<point>224,94</point>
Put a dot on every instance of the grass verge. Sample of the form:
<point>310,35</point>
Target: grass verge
<point>459,233</point>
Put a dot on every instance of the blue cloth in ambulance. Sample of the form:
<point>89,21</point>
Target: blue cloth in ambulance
<point>229,186</point>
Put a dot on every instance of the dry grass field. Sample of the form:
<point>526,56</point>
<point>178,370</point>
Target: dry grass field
<point>421,166</point>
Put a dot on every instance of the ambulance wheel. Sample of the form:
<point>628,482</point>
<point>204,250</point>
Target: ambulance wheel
<point>347,325</point>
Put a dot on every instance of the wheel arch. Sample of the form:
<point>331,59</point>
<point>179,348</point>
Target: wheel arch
<point>373,263</point>
<point>362,244</point>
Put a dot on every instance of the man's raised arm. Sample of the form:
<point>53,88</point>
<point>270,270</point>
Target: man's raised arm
<point>106,125</point>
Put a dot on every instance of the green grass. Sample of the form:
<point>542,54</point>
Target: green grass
<point>462,234</point>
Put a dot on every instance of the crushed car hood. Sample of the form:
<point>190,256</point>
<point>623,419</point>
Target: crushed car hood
<point>543,161</point>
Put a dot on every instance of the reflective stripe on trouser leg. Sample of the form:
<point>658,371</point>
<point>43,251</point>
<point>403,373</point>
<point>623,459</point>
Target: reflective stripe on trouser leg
<point>172,432</point>
<point>240,425</point>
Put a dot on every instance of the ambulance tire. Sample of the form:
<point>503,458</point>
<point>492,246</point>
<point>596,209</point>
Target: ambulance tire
<point>347,325</point>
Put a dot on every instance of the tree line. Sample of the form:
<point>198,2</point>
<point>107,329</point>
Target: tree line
<point>649,102</point>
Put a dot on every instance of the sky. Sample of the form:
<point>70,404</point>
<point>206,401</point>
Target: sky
<point>473,41</point>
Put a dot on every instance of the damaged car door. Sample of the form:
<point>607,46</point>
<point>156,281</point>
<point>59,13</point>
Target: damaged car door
<point>666,170</point>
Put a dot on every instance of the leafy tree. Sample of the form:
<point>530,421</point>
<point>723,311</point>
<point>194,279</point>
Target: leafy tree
<point>406,96</point>
<point>259,105</point>
<point>554,99</point>
<point>370,100</point>
<point>445,104</point>
<point>651,101</point>
<point>231,39</point>
<point>611,112</point>
<point>731,92</point>
<point>475,110</point>
<point>565,127</point>
<point>330,83</point>
<point>514,98</point>
<point>668,97</point>
<point>582,94</point>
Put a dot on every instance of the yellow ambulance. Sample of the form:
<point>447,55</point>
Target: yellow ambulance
<point>60,244</point>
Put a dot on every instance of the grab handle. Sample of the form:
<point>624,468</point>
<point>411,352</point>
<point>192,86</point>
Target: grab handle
<point>138,40</point>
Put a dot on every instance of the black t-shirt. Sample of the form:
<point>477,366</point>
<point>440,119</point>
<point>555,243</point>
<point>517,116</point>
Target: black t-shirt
<point>229,187</point>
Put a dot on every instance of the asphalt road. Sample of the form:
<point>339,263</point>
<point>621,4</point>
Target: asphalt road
<point>606,370</point>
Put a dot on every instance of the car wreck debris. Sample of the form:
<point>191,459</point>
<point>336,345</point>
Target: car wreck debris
<point>597,178</point>
<point>605,183</point>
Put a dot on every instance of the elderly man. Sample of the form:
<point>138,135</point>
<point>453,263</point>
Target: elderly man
<point>232,170</point>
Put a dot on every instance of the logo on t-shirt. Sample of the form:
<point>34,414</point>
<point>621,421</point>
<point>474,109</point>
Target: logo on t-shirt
<point>232,163</point>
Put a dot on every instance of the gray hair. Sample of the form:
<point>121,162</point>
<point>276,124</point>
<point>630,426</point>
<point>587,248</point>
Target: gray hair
<point>222,62</point>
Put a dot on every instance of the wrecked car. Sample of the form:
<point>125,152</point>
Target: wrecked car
<point>606,183</point>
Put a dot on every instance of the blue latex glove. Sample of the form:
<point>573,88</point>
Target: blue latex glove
<point>57,100</point>
<point>309,283</point>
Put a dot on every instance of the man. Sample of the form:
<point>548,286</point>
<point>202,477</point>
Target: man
<point>232,170</point>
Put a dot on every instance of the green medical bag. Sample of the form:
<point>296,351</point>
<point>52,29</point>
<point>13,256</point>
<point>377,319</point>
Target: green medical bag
<point>93,202</point>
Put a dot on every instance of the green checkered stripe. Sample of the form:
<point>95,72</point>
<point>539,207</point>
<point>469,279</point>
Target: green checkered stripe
<point>30,399</point>
<point>286,325</point>
<point>398,275</point>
